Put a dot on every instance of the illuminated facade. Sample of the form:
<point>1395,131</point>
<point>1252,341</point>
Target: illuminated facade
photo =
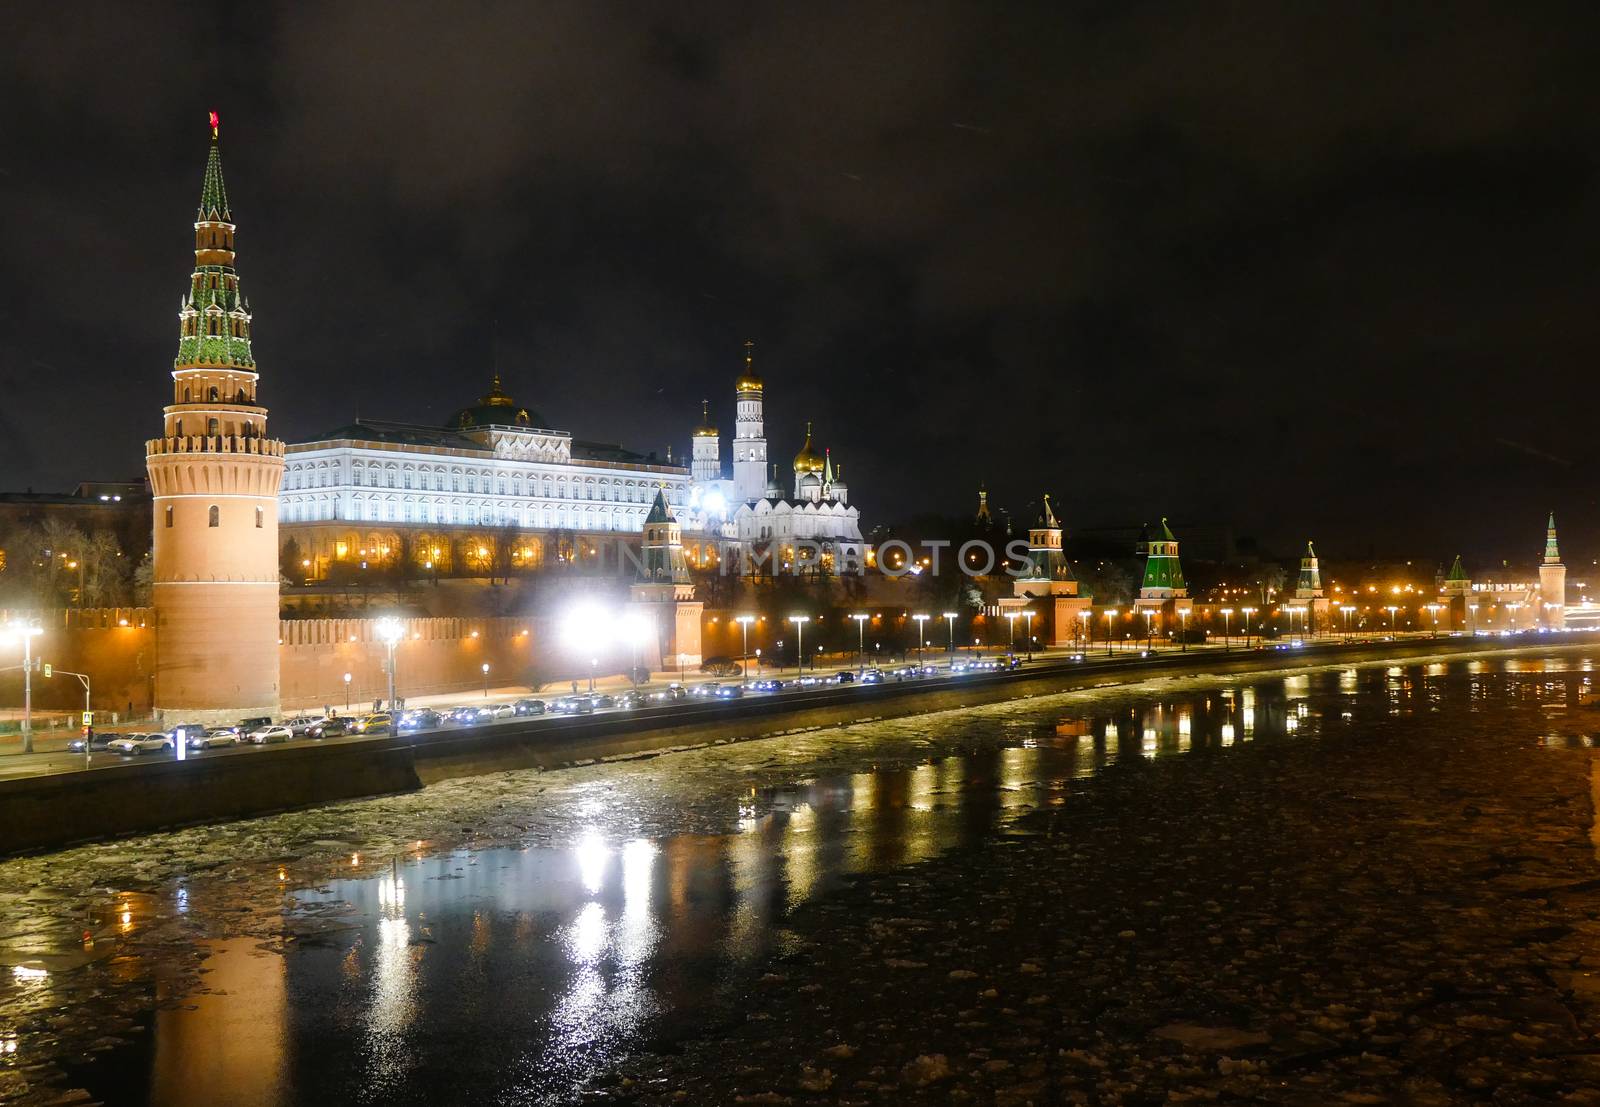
<point>453,498</point>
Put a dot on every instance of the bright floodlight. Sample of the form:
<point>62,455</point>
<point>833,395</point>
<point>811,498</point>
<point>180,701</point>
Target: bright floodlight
<point>715,503</point>
<point>585,627</point>
<point>636,628</point>
<point>390,630</point>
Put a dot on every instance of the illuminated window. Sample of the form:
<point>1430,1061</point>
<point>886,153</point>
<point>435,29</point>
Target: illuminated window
<point>169,515</point>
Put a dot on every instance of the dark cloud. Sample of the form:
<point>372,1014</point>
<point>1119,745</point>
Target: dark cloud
<point>1303,269</point>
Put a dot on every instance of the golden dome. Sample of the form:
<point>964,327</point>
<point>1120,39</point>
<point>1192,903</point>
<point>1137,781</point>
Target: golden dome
<point>705,429</point>
<point>748,380</point>
<point>807,461</point>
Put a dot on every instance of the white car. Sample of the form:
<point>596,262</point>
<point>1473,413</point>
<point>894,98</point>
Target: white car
<point>264,734</point>
<point>213,739</point>
<point>498,711</point>
<point>135,744</point>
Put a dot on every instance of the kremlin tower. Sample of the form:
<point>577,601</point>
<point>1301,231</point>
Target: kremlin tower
<point>1552,581</point>
<point>749,434</point>
<point>214,475</point>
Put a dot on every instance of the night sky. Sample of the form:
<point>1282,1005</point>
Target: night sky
<point>1331,273</point>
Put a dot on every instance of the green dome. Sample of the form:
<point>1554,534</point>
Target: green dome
<point>495,409</point>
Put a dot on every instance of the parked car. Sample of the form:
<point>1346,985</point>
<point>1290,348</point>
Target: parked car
<point>529,707</point>
<point>135,744</point>
<point>574,705</point>
<point>632,700</point>
<point>261,735</point>
<point>219,738</point>
<point>184,731</point>
<point>420,718</point>
<point>95,743</point>
<point>301,723</point>
<point>462,716</point>
<point>336,726</point>
<point>245,726</point>
<point>379,722</point>
<point>497,710</point>
<point>601,699</point>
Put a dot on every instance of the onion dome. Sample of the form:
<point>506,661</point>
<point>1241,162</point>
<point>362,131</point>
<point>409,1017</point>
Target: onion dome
<point>807,461</point>
<point>774,489</point>
<point>749,380</point>
<point>705,429</point>
<point>495,409</point>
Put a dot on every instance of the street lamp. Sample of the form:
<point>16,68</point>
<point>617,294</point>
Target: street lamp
<point>1027,616</point>
<point>1011,630</point>
<point>744,622</point>
<point>1433,609</point>
<point>921,620</point>
<point>486,680</point>
<point>1247,612</point>
<point>1183,619</point>
<point>861,641</point>
<point>1083,630</point>
<point>1227,639</point>
<point>390,632</point>
<point>1473,608</point>
<point>799,622</point>
<point>1513,607</point>
<point>347,692</point>
<point>1391,609</point>
<point>950,616</point>
<point>1346,610</point>
<point>26,632</point>
<point>1148,613</point>
<point>1111,614</point>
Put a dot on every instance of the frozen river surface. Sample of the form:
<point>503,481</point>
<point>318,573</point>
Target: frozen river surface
<point>525,936</point>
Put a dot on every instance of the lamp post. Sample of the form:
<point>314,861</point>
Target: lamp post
<point>1346,610</point>
<point>1083,629</point>
<point>26,632</point>
<point>1472,608</point>
<point>799,622</point>
<point>1111,615</point>
<point>921,620</point>
<point>861,641</point>
<point>486,680</point>
<point>1011,631</point>
<point>1391,609</point>
<point>1149,642</point>
<point>389,630</point>
<point>1183,619</point>
<point>1227,639</point>
<point>347,692</point>
<point>1433,609</point>
<point>1027,616</point>
<point>1247,612</point>
<point>744,622</point>
<point>950,617</point>
<point>1513,607</point>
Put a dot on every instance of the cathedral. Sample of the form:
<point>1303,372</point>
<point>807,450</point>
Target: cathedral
<point>751,515</point>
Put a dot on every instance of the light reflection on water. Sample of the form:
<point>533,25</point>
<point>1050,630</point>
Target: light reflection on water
<point>513,974</point>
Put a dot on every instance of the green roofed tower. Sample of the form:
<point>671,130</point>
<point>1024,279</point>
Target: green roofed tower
<point>1552,582</point>
<point>1163,572</point>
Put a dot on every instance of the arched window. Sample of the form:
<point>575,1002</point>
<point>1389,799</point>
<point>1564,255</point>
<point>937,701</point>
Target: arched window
<point>169,515</point>
<point>186,393</point>
<point>211,424</point>
<point>214,516</point>
<point>261,518</point>
<point>213,395</point>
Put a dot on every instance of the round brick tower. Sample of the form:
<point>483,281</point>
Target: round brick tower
<point>214,475</point>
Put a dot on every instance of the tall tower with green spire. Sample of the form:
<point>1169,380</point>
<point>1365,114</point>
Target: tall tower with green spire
<point>663,591</point>
<point>1163,589</point>
<point>1049,588</point>
<point>1552,582</point>
<point>214,475</point>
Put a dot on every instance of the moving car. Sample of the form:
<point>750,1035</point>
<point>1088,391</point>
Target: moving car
<point>632,700</point>
<point>844,677</point>
<point>462,716</point>
<point>872,676</point>
<point>184,731</point>
<point>672,693</point>
<point>336,726</point>
<point>497,711</point>
<point>420,718</point>
<point>379,722</point>
<point>767,684</point>
<point>529,707</point>
<point>730,692</point>
<point>95,743</point>
<point>135,744</point>
<point>600,699</point>
<point>574,705</point>
<point>261,735</point>
<point>245,726</point>
<point>212,739</point>
<point>301,723</point>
